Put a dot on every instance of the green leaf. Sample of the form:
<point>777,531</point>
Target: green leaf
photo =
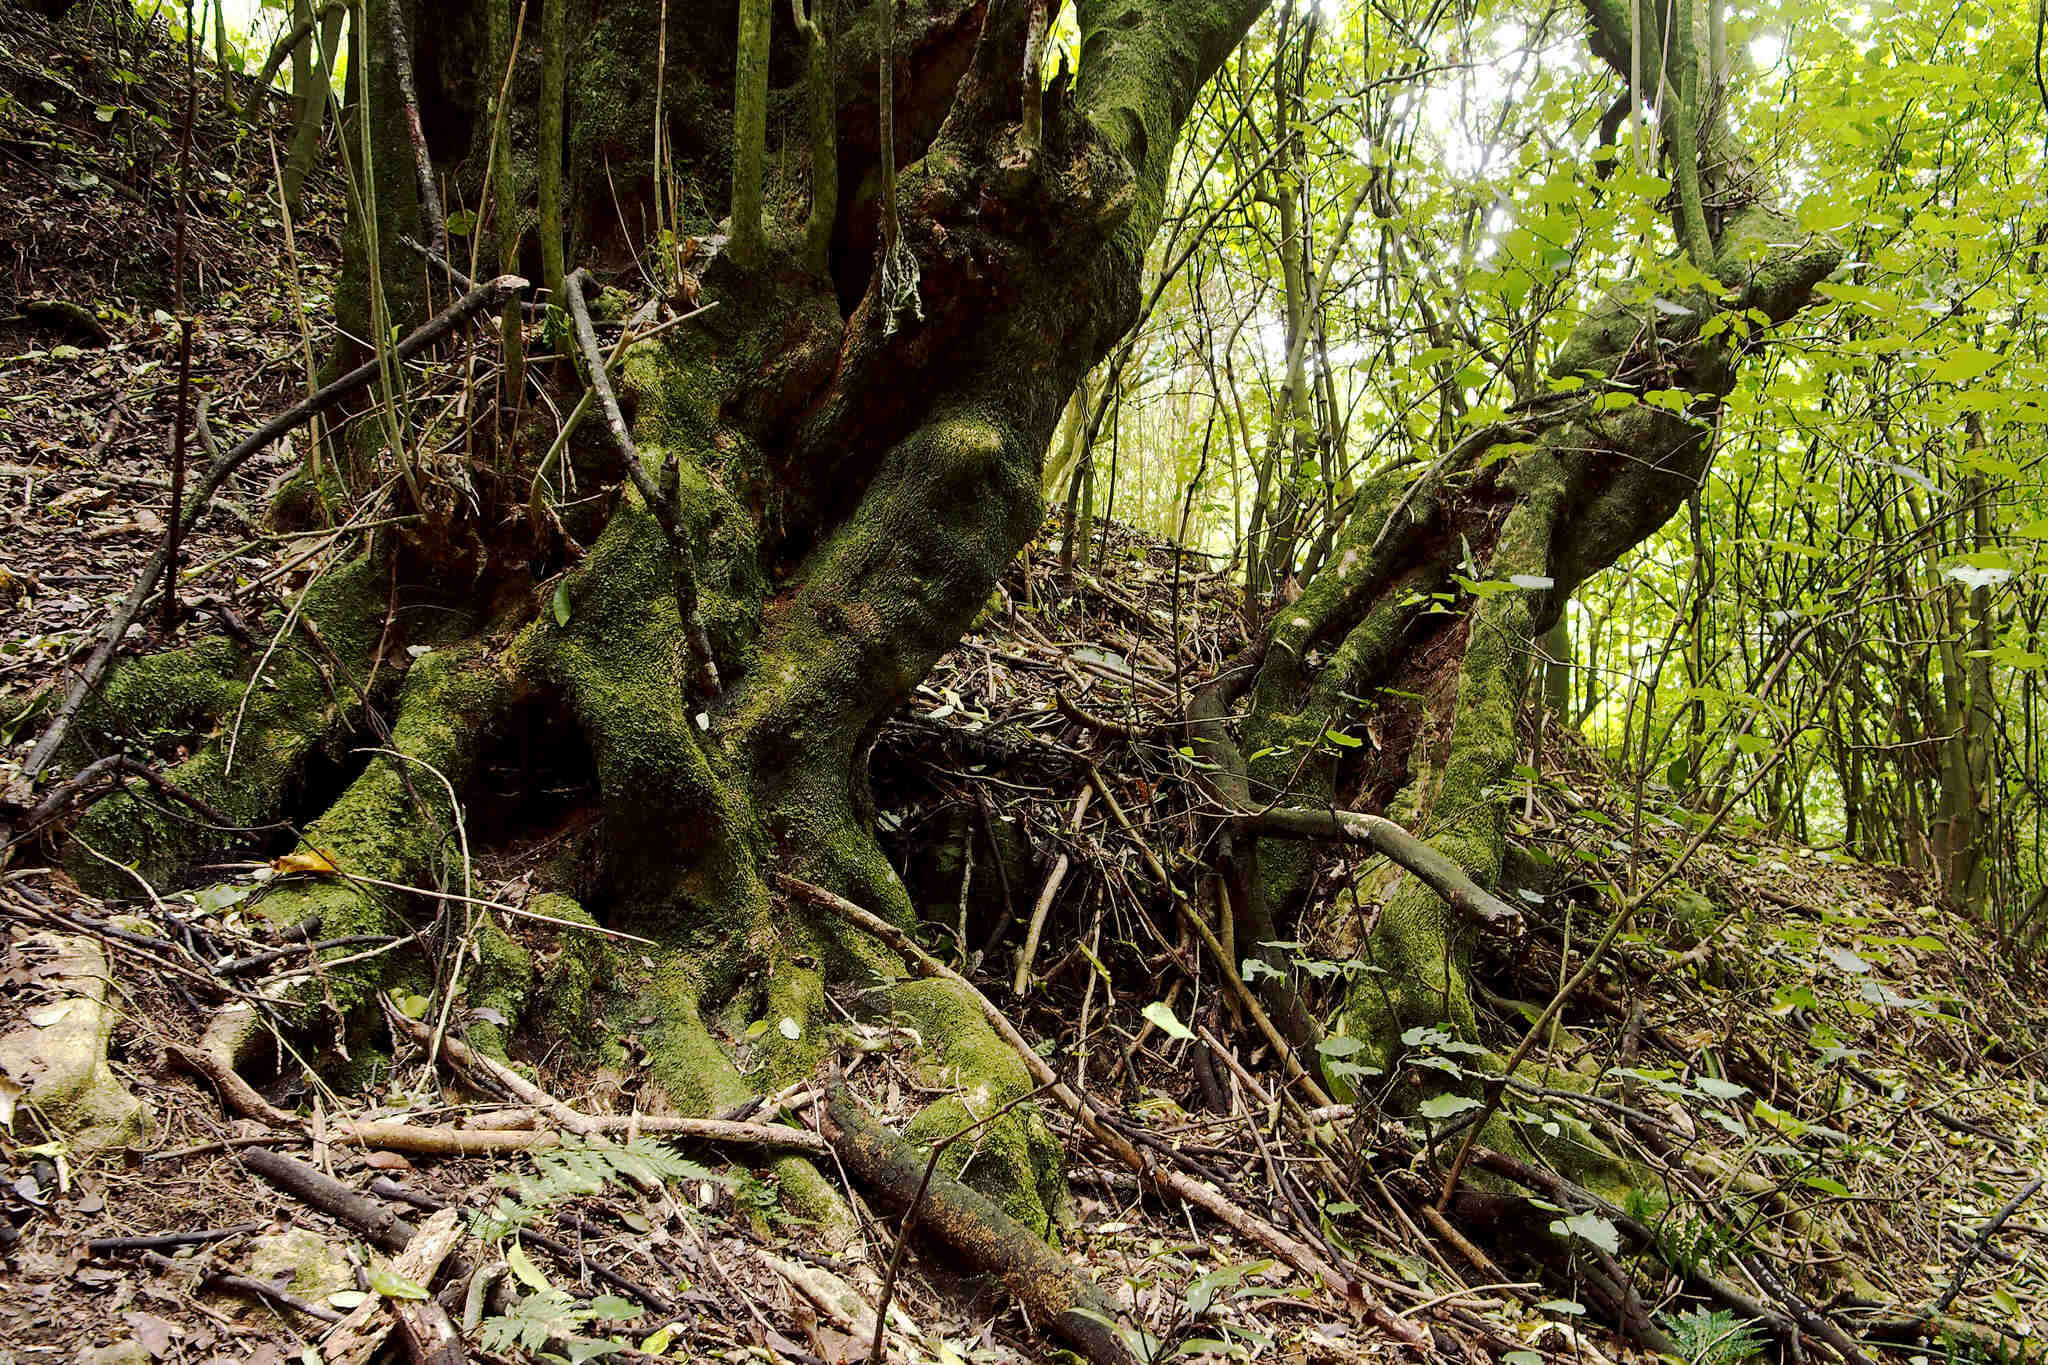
<point>393,1286</point>
<point>1445,1106</point>
<point>1590,1227</point>
<point>1161,1015</point>
<point>1964,364</point>
<point>522,1266</point>
<point>561,602</point>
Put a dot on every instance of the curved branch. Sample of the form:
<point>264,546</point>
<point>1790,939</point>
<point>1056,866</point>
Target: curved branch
<point>1388,839</point>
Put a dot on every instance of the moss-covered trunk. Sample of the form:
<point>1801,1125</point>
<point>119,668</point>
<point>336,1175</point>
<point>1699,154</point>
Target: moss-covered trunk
<point>1396,682</point>
<point>844,497</point>
<point>1420,635</point>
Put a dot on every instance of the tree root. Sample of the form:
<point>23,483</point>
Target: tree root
<point>1052,1289</point>
<point>327,398</point>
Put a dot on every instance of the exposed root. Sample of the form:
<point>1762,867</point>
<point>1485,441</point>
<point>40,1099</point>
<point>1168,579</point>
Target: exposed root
<point>1050,1287</point>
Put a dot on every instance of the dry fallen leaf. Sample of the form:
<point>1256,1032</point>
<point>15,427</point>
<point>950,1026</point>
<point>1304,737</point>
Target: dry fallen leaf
<point>317,862</point>
<point>152,1332</point>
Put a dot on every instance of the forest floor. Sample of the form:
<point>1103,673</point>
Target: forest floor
<point>1839,1086</point>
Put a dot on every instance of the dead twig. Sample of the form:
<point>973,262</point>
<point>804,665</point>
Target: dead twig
<point>107,1246</point>
<point>60,797</point>
<point>1283,1245</point>
<point>245,1284</point>
<point>1035,930</point>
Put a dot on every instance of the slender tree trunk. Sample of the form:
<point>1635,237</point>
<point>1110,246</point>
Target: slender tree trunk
<point>312,70</point>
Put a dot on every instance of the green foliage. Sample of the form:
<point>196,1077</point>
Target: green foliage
<point>1192,1326</point>
<point>550,1314</point>
<point>1712,1336</point>
<point>1845,638</point>
<point>576,1169</point>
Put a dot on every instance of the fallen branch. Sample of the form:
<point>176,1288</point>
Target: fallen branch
<point>1384,837</point>
<point>378,1224</point>
<point>1053,1291</point>
<point>244,1284</point>
<point>1981,1243</point>
<point>243,1100</point>
<point>496,1072</point>
<point>481,299</point>
<point>105,1246</point>
<point>909,1224</point>
<point>59,797</point>
<point>439,1141</point>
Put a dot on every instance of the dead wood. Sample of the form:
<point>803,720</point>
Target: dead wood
<point>105,1246</point>
<point>376,1222</point>
<point>1284,1245</point>
<point>1388,839</point>
<point>430,1336</point>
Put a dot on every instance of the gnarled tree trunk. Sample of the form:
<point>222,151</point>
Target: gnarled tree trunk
<point>1559,490</point>
<point>845,489</point>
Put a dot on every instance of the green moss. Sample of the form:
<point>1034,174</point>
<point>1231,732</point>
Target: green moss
<point>395,822</point>
<point>694,1071</point>
<point>295,709</point>
<point>570,973</point>
<point>502,982</point>
<point>1014,1160</point>
<point>795,995</point>
<point>815,1205</point>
